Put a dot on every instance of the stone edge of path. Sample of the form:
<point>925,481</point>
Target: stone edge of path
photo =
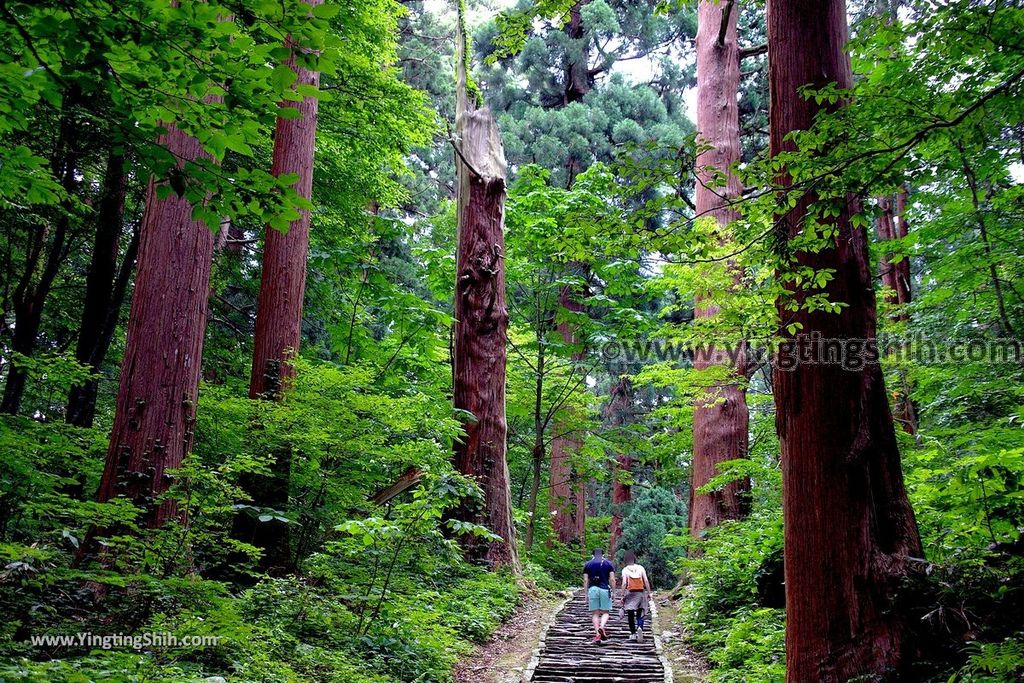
<point>535,659</point>
<point>658,648</point>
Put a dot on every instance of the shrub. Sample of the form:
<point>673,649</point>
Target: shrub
<point>653,516</point>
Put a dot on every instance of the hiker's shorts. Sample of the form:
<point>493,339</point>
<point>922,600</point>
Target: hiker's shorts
<point>600,599</point>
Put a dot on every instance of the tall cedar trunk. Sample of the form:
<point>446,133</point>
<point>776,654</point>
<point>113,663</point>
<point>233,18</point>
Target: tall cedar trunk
<point>892,224</point>
<point>578,80</point>
<point>105,288</point>
<point>231,238</point>
<point>906,409</point>
<point>156,401</point>
<point>538,442</point>
<point>849,528</point>
<point>279,317</point>
<point>904,292</point>
<point>567,491</point>
<point>620,410</point>
<point>577,68</point>
<point>33,288</point>
<point>481,319</point>
<point>886,231</point>
<point>720,417</point>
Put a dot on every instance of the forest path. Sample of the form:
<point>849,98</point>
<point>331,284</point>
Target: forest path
<point>568,655</point>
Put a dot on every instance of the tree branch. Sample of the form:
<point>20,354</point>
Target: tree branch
<point>726,12</point>
<point>753,51</point>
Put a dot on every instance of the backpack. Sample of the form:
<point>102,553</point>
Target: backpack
<point>635,584</point>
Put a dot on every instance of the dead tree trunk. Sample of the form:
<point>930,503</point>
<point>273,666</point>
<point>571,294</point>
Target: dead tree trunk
<point>850,533</point>
<point>279,316</point>
<point>481,318</point>
<point>156,402</point>
<point>720,418</point>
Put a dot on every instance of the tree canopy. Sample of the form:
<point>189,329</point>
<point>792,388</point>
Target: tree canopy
<point>566,272</point>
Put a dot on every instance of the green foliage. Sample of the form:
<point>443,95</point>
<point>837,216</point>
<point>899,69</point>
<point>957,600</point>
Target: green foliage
<point>565,126</point>
<point>752,648</point>
<point>654,514</point>
<point>131,68</point>
<point>993,662</point>
<point>732,605</point>
<point>389,590</point>
<point>600,202</point>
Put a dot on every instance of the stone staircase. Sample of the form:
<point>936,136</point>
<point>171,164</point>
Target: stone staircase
<point>567,653</point>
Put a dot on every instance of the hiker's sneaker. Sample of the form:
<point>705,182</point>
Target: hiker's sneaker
<point>639,636</point>
<point>597,640</point>
<point>604,633</point>
<point>632,636</point>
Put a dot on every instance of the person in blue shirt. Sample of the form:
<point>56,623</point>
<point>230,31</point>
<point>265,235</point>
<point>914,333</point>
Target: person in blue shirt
<point>598,583</point>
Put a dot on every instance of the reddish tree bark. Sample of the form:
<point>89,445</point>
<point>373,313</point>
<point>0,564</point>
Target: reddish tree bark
<point>720,419</point>
<point>906,410</point>
<point>156,401</point>
<point>481,320</point>
<point>892,224</point>
<point>849,528</point>
<point>886,232</point>
<point>567,491</point>
<point>904,290</point>
<point>283,285</point>
<point>620,410</point>
<point>578,80</point>
<point>105,288</point>
<point>279,315</point>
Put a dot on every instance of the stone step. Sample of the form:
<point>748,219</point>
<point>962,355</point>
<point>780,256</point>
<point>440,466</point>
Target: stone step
<point>569,655</point>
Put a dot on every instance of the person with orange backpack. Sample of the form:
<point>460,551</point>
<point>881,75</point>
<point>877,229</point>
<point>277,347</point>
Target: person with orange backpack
<point>636,594</point>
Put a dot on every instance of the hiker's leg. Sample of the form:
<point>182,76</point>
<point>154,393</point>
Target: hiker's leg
<point>595,619</point>
<point>631,615</point>
<point>604,619</point>
<point>640,618</point>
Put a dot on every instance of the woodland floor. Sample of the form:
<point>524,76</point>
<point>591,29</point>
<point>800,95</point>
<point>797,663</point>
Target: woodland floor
<point>687,666</point>
<point>503,658</point>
